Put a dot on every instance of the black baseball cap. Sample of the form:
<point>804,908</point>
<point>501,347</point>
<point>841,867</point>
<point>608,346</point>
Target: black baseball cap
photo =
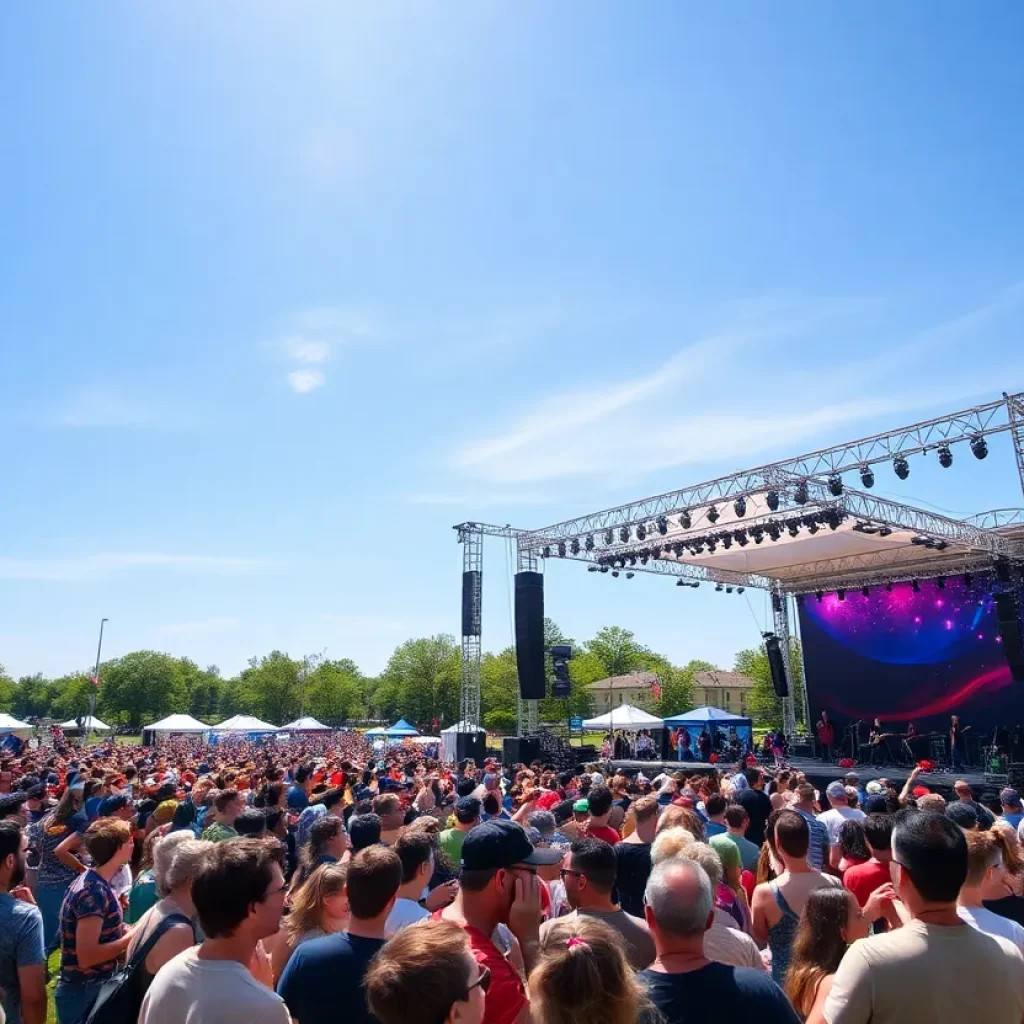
<point>500,844</point>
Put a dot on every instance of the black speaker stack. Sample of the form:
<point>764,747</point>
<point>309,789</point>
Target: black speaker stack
<point>520,750</point>
<point>529,604</point>
<point>471,745</point>
<point>777,666</point>
<point>1009,618</point>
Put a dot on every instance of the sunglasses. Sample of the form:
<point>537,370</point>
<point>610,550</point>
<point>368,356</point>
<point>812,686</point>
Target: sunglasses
<point>483,981</point>
<point>569,871</point>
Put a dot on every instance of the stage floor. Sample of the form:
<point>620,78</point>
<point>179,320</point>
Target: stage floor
<point>822,773</point>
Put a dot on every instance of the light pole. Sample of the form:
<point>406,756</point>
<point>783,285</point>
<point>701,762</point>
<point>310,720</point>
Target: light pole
<point>95,682</point>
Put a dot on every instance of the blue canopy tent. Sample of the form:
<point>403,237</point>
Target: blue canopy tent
<point>715,721</point>
<point>400,729</point>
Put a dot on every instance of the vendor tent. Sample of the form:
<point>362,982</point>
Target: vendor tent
<point>89,724</point>
<point>625,716</point>
<point>305,724</point>
<point>8,723</point>
<point>402,728</point>
<point>244,723</point>
<point>178,723</point>
<point>379,731</point>
<point>715,721</point>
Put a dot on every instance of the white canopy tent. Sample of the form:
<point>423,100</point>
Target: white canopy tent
<point>8,723</point>
<point>625,716</point>
<point>88,724</point>
<point>305,724</point>
<point>244,723</point>
<point>178,723</point>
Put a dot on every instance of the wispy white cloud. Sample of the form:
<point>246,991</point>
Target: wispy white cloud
<point>212,625</point>
<point>304,381</point>
<point>86,568</point>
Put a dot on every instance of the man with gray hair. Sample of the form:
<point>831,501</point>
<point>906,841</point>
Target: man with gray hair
<point>683,983</point>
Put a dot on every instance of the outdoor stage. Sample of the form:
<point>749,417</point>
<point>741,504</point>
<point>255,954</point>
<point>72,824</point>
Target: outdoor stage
<point>821,774</point>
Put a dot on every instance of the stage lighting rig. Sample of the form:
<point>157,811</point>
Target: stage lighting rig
<point>574,546</point>
<point>726,541</point>
<point>800,495</point>
<point>561,549</point>
<point>968,580</point>
<point>940,582</point>
<point>593,568</point>
<point>774,530</point>
<point>604,568</point>
<point>662,525</point>
<point>655,551</point>
<point>979,446</point>
<point>615,574</point>
<point>758,533</point>
<point>772,498</point>
<point>835,485</point>
<point>740,507</point>
<point>641,532</point>
<point>820,595</point>
<point>901,467</point>
<point>741,538</point>
<point>739,590</point>
<point>915,586</point>
<point>713,515</point>
<point>630,575</point>
<point>888,586</point>
<point>609,538</point>
<point>945,456</point>
<point>865,591</point>
<point>793,526</point>
<point>867,476</point>
<point>589,542</point>
<point>812,527</point>
<point>546,553</point>
<point>684,521</point>
<point>712,543</point>
<point>841,594</point>
<point>624,534</point>
<point>884,531</point>
<point>719,588</point>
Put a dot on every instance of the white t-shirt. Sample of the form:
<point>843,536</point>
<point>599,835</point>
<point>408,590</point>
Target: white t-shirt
<point>927,972</point>
<point>729,946</point>
<point>991,923</point>
<point>834,819</point>
<point>404,913</point>
<point>209,992</point>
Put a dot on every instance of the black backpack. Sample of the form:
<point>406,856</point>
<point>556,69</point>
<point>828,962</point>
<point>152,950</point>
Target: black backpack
<point>120,998</point>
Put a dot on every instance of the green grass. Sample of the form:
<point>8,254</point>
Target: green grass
<point>130,741</point>
<point>52,966</point>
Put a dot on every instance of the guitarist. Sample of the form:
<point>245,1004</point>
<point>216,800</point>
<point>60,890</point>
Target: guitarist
<point>826,736</point>
<point>957,741</point>
<point>876,739</point>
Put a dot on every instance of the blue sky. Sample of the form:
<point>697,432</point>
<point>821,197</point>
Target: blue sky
<point>286,290</point>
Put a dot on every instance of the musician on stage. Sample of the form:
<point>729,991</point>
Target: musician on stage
<point>875,737</point>
<point>957,742</point>
<point>911,733</point>
<point>826,736</point>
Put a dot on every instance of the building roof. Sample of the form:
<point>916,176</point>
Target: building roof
<point>631,681</point>
<point>723,680</point>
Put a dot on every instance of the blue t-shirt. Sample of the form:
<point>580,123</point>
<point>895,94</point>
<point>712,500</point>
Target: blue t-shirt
<point>713,828</point>
<point>718,992</point>
<point>21,945</point>
<point>296,798</point>
<point>1014,818</point>
<point>326,974</point>
<point>92,807</point>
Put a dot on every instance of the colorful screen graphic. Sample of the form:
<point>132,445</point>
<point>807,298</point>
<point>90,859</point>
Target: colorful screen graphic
<point>905,656</point>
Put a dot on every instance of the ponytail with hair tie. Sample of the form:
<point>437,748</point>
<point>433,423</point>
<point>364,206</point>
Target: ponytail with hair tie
<point>574,941</point>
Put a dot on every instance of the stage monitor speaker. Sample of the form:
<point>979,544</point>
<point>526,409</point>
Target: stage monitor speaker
<point>520,750</point>
<point>530,635</point>
<point>471,745</point>
<point>1008,616</point>
<point>471,601</point>
<point>777,665</point>
<point>586,755</point>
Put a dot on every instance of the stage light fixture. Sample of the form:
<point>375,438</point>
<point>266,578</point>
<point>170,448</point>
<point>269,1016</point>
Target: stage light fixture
<point>915,586</point>
<point>739,590</point>
<point>624,534</point>
<point>604,568</point>
<point>841,594</point>
<point>644,558</point>
<point>941,545</point>
<point>655,551</point>
<point>632,559</point>
<point>719,588</point>
<point>630,575</point>
<point>968,580</point>
<point>772,497</point>
<point>979,446</point>
<point>680,583</point>
<point>727,541</point>
<point>774,531</point>
<point>713,515</point>
<point>641,532</point>
<point>867,476</point>
<point>574,546</point>
<point>546,553</point>
<point>740,507</point>
<point>741,538</point>
<point>758,534</point>
<point>884,531</point>
<point>679,548</point>
<point>940,582</point>
<point>561,549</point>
<point>888,586</point>
<point>812,527</point>
<point>820,595</point>
<point>615,573</point>
<point>711,545</point>
<point>800,494</point>
<point>945,456</point>
<point>609,538</point>
<point>589,542</point>
<point>684,521</point>
<point>901,467</point>
<point>593,568</point>
<point>662,525</point>
<point>835,485</point>
<point>793,527</point>
<point>866,591</point>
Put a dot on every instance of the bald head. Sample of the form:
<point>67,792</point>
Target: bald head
<point>679,898</point>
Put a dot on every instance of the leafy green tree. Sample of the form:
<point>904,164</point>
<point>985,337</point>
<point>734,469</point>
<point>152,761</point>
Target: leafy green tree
<point>32,697</point>
<point>499,684</point>
<point>334,692</point>
<point>71,695</point>
<point>500,721</point>
<point>422,681</point>
<point>617,650</point>
<point>269,688</point>
<point>140,688</point>
<point>763,706</point>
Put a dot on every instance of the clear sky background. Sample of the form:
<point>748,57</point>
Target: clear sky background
<point>288,289</point>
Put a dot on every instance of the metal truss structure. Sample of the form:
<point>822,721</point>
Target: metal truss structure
<point>691,533</point>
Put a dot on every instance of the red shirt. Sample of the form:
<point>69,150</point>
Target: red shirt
<point>605,832</point>
<point>863,879</point>
<point>506,997</point>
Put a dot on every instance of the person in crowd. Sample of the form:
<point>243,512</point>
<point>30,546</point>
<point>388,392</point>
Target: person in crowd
<point>832,921</point>
<point>329,803</point>
<point>1003,890</point>
<point>684,985</point>
<point>806,806</point>
<point>238,892</point>
<point>852,849</point>
<point>1012,808</point>
<point>297,798</point>
<point>427,973</point>
<point>778,904</point>
<point>499,886</point>
<point>176,864</point>
<point>142,894</point>
<point>363,831</point>
<point>715,806</point>
<point>599,808</point>
<point>583,974</point>
<point>319,907</point>
<point>864,878</point>
<point>388,807</point>
<point>92,934</point>
<point>936,968</point>
<point>965,795</point>
<point>467,817</point>
<point>964,814</point>
<point>415,850</point>
<point>251,823</point>
<point>633,856</point>
<point>588,874</point>
<point>732,880</point>
<point>22,957</point>
<point>220,819</point>
<point>737,821</point>
<point>838,814</point>
<point>328,843</point>
<point>984,872</point>
<point>756,803</point>
<point>57,872</point>
<point>326,973</point>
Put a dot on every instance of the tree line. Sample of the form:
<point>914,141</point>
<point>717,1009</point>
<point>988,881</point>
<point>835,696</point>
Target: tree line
<point>421,682</point>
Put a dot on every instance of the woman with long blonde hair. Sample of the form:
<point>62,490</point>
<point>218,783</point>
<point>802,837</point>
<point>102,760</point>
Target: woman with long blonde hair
<point>582,976</point>
<point>319,907</point>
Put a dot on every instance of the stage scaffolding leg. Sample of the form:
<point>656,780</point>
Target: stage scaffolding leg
<point>1015,407</point>
<point>526,561</point>
<point>469,698</point>
<point>780,610</point>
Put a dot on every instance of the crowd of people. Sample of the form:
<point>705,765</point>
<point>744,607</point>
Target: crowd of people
<point>318,880</point>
